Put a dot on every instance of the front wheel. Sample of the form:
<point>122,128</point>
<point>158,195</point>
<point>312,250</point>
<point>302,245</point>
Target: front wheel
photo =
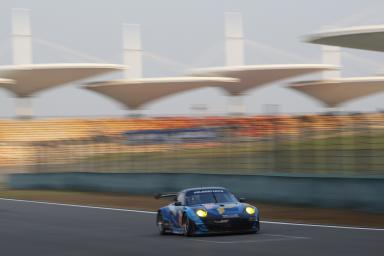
<point>257,228</point>
<point>188,226</point>
<point>160,224</point>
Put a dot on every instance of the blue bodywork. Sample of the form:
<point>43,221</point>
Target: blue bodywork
<point>221,217</point>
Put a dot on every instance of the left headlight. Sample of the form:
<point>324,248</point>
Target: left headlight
<point>201,213</point>
<point>250,210</point>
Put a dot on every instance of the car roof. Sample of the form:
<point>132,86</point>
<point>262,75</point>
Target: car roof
<point>202,188</point>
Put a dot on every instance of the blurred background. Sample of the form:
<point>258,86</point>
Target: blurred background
<point>198,87</point>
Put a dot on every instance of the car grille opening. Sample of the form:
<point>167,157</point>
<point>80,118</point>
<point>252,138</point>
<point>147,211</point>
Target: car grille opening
<point>235,224</point>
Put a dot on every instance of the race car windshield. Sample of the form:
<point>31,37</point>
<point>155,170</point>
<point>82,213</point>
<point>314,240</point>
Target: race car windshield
<point>209,197</point>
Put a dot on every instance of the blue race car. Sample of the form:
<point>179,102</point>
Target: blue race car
<point>206,210</point>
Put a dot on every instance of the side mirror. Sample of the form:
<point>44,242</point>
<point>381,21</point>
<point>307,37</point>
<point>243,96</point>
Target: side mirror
<point>177,203</point>
<point>242,200</point>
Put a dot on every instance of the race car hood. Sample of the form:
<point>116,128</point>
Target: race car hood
<point>223,210</point>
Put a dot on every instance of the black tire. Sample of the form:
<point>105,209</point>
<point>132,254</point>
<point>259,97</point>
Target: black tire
<point>160,224</point>
<point>258,228</point>
<point>188,226</point>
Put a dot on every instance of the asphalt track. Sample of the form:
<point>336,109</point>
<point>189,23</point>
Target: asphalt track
<point>32,228</point>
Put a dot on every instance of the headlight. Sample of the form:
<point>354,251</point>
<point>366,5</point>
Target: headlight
<point>201,213</point>
<point>250,210</point>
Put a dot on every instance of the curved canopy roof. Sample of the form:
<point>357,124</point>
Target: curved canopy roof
<point>364,37</point>
<point>252,76</point>
<point>33,78</point>
<point>134,93</point>
<point>338,91</point>
<point>6,82</point>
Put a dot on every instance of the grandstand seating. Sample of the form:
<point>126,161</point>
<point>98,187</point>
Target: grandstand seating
<point>37,141</point>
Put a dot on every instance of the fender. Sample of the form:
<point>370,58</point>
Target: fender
<point>192,215</point>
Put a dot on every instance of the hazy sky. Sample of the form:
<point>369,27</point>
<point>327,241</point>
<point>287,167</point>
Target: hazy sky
<point>178,35</point>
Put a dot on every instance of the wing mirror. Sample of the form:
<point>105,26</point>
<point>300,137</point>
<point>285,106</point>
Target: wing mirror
<point>242,200</point>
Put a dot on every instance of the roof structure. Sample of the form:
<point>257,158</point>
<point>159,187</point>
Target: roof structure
<point>33,78</point>
<point>335,92</point>
<point>253,76</point>
<point>6,82</point>
<point>134,93</point>
<point>362,37</point>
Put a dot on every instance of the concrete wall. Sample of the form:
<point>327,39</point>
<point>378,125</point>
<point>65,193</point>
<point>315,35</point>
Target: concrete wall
<point>356,193</point>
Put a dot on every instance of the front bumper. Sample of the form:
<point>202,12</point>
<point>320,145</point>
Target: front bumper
<point>230,225</point>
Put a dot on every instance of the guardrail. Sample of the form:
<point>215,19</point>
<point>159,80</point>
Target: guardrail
<point>362,193</point>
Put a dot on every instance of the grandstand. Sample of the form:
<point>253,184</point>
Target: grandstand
<point>236,79</point>
<point>360,37</point>
<point>251,76</point>
<point>255,76</point>
<point>30,79</point>
<point>249,144</point>
<point>135,93</point>
<point>335,92</point>
<point>6,82</point>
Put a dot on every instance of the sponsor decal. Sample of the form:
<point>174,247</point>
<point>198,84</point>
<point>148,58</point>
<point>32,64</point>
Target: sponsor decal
<point>221,221</point>
<point>209,206</point>
<point>228,206</point>
<point>208,191</point>
<point>231,216</point>
<point>221,210</point>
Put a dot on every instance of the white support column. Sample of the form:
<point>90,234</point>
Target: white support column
<point>234,40</point>
<point>331,56</point>
<point>22,54</point>
<point>234,54</point>
<point>132,52</point>
<point>23,107</point>
<point>236,105</point>
<point>21,37</point>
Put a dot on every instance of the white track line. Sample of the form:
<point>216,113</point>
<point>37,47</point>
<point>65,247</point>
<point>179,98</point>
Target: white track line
<point>322,226</point>
<point>77,205</point>
<point>152,212</point>
<point>286,236</point>
<point>255,240</point>
<point>249,241</point>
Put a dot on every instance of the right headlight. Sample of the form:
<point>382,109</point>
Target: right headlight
<point>250,210</point>
<point>201,213</point>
